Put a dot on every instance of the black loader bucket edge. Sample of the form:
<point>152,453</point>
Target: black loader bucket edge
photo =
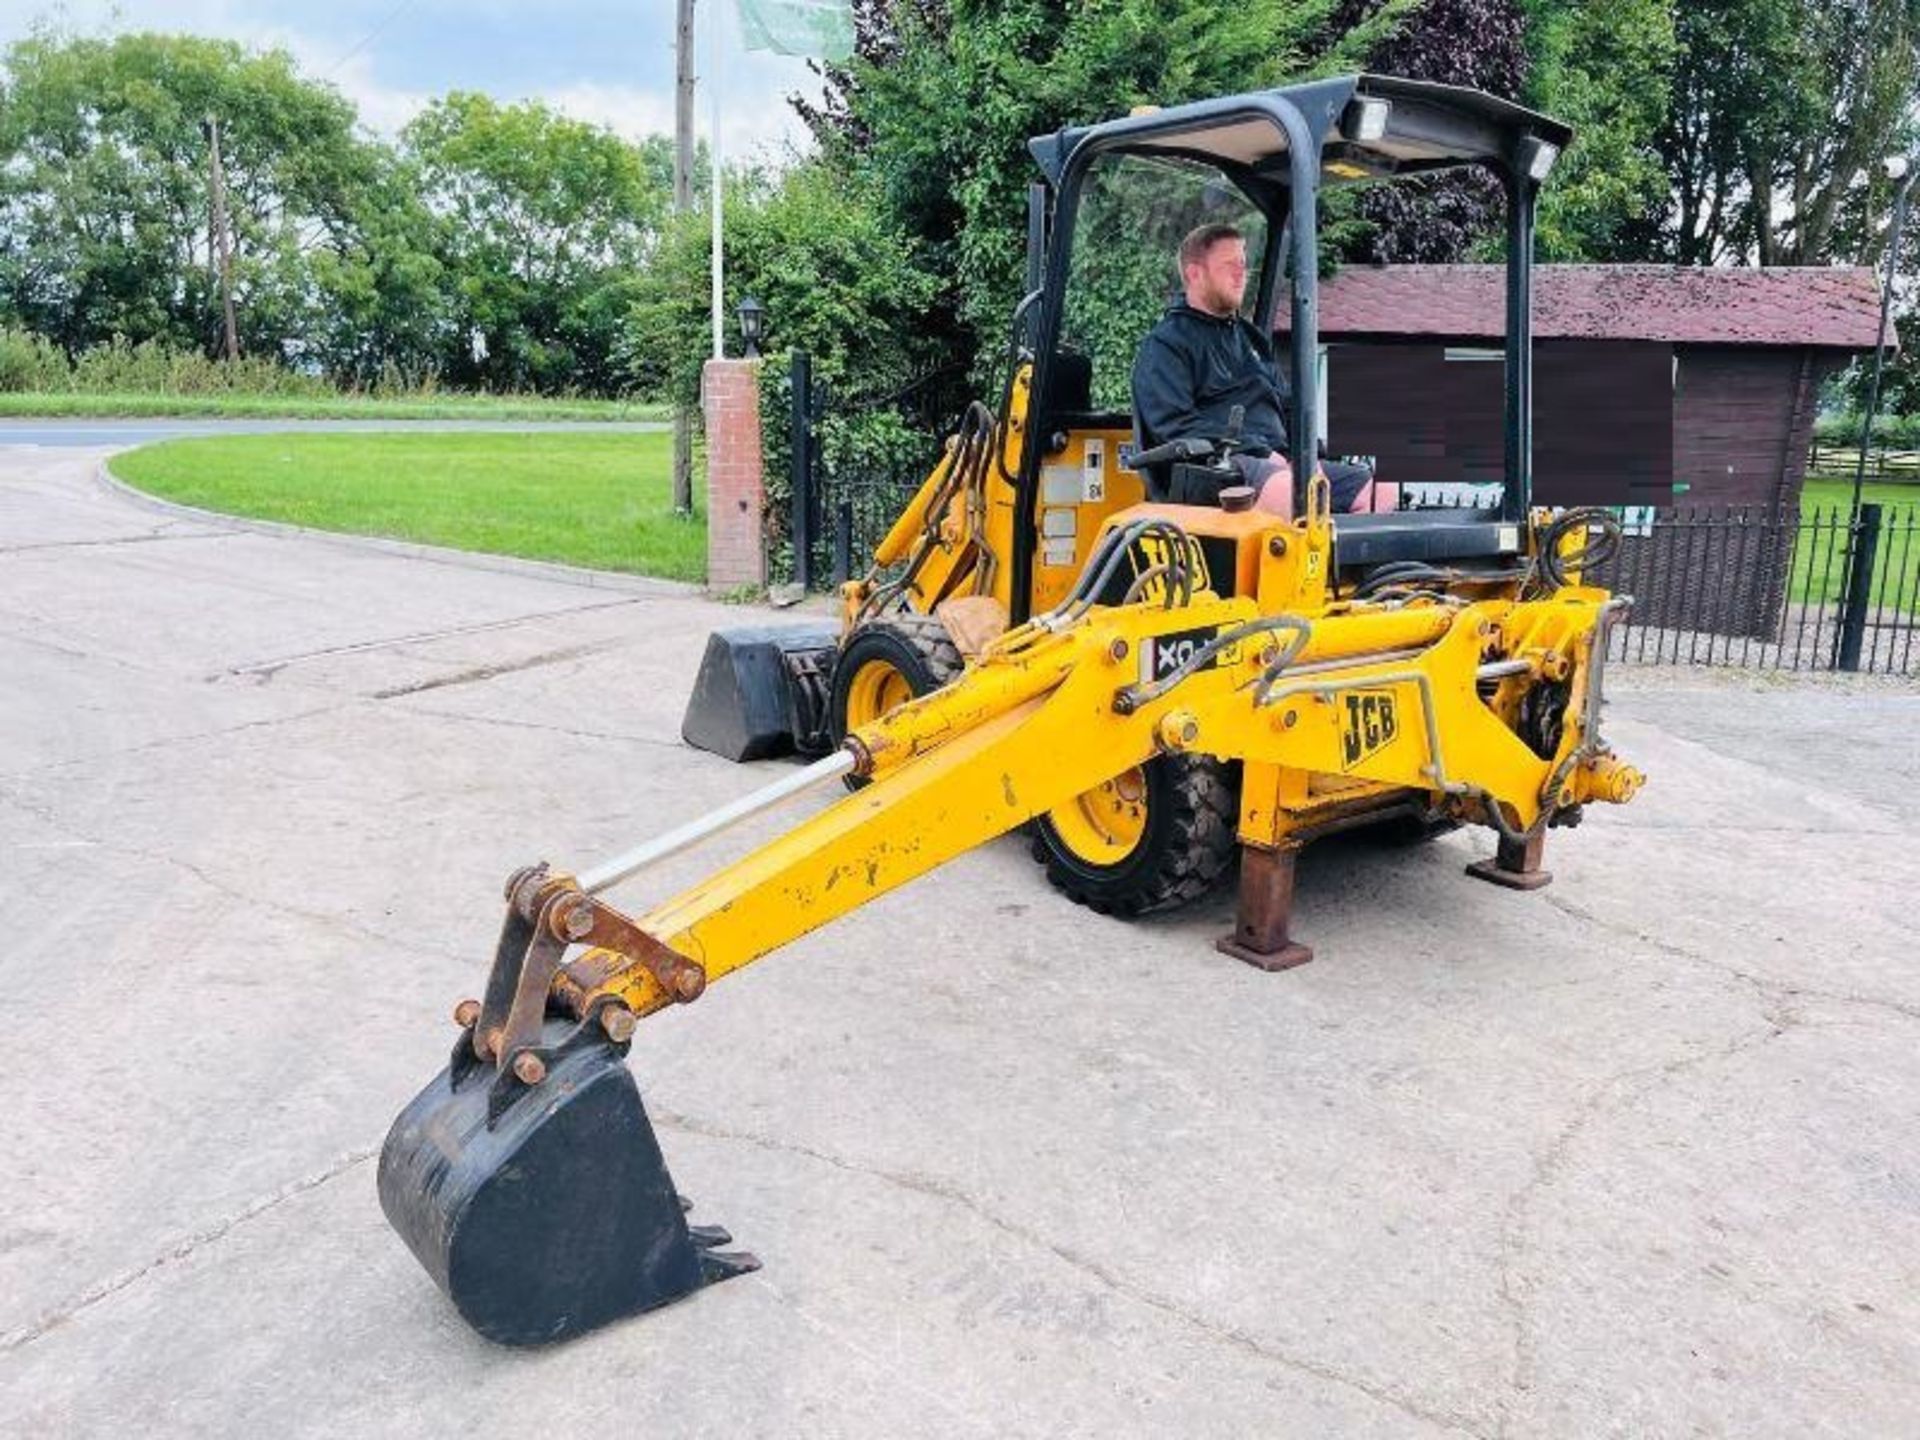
<point>762,692</point>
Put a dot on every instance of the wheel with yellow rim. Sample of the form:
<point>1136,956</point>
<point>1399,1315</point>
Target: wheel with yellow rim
<point>885,663</point>
<point>1152,838</point>
<point>1105,824</point>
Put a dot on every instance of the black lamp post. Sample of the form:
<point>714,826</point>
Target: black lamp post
<point>1863,526</point>
<point>1903,170</point>
<point>753,325</point>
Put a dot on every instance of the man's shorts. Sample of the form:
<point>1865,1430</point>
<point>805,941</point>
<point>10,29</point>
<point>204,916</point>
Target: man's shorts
<point>1346,478</point>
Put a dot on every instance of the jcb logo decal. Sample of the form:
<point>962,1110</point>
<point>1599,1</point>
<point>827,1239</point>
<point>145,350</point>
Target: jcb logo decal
<point>1371,723</point>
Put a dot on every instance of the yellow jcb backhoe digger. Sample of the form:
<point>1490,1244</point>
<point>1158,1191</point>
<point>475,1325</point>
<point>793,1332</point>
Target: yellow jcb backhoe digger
<point>1156,688</point>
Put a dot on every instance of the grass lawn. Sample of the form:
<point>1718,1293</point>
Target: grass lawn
<point>602,501</point>
<point>1827,494</point>
<point>344,407</point>
<point>1819,559</point>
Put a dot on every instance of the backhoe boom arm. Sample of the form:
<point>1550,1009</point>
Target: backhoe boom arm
<point>1369,695</point>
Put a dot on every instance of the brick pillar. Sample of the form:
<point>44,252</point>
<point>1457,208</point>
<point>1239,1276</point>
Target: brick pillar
<point>736,496</point>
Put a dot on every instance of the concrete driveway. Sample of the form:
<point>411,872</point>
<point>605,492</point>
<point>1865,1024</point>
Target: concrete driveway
<point>1637,1155</point>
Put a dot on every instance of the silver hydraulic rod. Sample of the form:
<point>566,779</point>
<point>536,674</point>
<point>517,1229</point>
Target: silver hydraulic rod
<point>611,872</point>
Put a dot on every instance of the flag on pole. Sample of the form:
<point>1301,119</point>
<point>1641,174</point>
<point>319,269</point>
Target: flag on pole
<point>819,28</point>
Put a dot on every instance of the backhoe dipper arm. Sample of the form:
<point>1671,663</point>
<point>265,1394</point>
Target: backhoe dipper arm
<point>1026,731</point>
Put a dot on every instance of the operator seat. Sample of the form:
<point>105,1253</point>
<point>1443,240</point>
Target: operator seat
<point>1157,478</point>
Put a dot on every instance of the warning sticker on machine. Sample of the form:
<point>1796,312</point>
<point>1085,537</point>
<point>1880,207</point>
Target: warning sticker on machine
<point>1161,655</point>
<point>1093,463</point>
<point>1369,723</point>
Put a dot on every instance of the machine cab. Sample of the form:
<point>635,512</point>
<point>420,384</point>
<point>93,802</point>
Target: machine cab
<point>1103,237</point>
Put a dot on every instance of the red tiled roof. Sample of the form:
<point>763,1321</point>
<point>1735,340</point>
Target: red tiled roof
<point>1817,306</point>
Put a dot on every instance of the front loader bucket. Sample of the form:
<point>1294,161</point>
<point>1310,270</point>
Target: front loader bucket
<point>543,1211</point>
<point>762,691</point>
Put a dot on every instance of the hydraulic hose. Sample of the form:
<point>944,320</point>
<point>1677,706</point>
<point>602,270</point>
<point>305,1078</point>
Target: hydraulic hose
<point>1595,552</point>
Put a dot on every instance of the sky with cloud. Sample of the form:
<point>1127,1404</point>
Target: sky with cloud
<point>605,61</point>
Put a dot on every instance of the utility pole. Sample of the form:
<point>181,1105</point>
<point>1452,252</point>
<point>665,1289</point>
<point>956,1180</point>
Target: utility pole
<point>210,128</point>
<point>682,203</point>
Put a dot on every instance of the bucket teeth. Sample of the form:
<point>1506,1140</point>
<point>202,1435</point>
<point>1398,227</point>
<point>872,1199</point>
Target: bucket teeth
<point>718,1265</point>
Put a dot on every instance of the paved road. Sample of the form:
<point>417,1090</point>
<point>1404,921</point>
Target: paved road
<point>1636,1155</point>
<point>117,433</point>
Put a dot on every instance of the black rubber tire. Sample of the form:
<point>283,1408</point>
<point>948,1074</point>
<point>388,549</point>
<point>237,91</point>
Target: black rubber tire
<point>1193,812</point>
<point>917,646</point>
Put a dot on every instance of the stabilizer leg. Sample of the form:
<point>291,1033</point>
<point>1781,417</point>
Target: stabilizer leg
<point>1266,911</point>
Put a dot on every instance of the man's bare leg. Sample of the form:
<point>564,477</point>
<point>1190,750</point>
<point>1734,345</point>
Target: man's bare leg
<point>1276,491</point>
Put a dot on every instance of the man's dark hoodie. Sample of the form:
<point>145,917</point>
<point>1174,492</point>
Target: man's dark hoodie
<point>1195,367</point>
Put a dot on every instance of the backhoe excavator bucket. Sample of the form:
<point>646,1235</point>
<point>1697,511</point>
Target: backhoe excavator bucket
<point>544,1211</point>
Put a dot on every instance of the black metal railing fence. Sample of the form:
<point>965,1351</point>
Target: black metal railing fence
<point>1820,588</point>
<point>1814,587</point>
<point>857,459</point>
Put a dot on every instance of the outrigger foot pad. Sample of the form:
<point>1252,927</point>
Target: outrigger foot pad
<point>1515,864</point>
<point>556,1215</point>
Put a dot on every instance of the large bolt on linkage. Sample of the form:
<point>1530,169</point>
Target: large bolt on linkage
<point>580,918</point>
<point>548,912</point>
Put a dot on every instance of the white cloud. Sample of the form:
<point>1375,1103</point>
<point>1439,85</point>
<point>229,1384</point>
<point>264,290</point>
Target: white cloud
<point>625,109</point>
<point>383,108</point>
<point>763,129</point>
<point>756,122</point>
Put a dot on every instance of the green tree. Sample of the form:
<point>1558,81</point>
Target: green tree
<point>935,110</point>
<point>104,197</point>
<point>543,225</point>
<point>1606,67</point>
<point>1779,109</point>
<point>837,277</point>
<point>382,308</point>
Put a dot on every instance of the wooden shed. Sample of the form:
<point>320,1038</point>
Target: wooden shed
<point>1653,384</point>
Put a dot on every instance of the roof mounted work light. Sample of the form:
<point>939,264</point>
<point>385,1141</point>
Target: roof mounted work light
<point>1366,120</point>
<point>1537,157</point>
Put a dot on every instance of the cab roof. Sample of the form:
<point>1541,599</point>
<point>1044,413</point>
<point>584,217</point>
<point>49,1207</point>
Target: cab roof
<point>1428,126</point>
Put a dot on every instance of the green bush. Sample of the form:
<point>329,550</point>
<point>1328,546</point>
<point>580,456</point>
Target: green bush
<point>154,368</point>
<point>836,279</point>
<point>393,383</point>
<point>1896,432</point>
<point>153,373</point>
<point>31,362</point>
